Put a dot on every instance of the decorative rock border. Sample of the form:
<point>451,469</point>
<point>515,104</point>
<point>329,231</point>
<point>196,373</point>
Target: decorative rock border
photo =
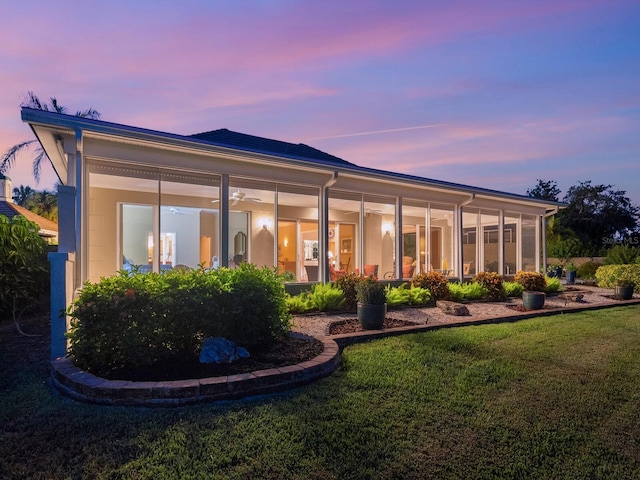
<point>81,385</point>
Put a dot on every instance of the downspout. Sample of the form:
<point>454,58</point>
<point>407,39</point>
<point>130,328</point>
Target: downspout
<point>81,211</point>
<point>458,237</point>
<point>323,216</point>
<point>543,226</point>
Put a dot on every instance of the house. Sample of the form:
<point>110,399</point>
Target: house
<point>48,229</point>
<point>131,196</point>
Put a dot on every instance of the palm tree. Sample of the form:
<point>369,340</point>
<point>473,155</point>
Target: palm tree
<point>32,101</point>
<point>44,203</point>
<point>21,195</point>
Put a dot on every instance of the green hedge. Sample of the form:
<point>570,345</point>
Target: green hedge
<point>608,275</point>
<point>135,319</point>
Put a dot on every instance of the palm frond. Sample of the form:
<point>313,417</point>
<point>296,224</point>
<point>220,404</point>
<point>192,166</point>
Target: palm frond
<point>91,113</point>
<point>57,108</point>
<point>37,163</point>
<point>9,157</point>
<point>32,101</point>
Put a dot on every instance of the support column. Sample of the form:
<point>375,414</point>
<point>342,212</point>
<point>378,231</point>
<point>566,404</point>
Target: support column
<point>62,288</point>
<point>63,268</point>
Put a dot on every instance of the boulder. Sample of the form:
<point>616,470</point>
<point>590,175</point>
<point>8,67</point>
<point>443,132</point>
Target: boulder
<point>571,296</point>
<point>221,350</point>
<point>452,308</point>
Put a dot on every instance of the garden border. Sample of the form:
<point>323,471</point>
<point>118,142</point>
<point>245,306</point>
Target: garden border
<point>83,386</point>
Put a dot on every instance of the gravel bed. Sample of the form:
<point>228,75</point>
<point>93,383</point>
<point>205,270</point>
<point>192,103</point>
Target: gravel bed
<point>316,325</point>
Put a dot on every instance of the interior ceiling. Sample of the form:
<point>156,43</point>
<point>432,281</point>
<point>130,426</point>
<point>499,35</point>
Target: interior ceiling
<point>266,197</point>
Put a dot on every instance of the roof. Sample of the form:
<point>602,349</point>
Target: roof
<point>47,227</point>
<point>227,138</point>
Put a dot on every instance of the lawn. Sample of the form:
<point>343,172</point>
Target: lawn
<point>552,397</point>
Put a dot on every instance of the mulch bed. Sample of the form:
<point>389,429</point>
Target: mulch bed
<point>288,351</point>
<point>352,325</point>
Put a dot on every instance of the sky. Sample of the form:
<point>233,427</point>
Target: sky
<point>493,94</point>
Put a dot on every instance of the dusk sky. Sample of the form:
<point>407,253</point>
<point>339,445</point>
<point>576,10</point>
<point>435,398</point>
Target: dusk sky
<point>487,93</point>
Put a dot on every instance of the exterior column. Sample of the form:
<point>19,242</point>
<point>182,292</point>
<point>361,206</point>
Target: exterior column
<point>399,245</point>
<point>62,280</point>
<point>63,268</point>
<point>224,221</point>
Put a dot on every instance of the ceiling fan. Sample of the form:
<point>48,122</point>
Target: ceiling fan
<point>177,211</point>
<point>240,196</point>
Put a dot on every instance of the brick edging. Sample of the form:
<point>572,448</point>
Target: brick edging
<point>346,339</point>
<point>84,386</point>
<point>81,385</point>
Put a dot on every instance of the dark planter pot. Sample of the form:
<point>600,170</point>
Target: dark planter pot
<point>371,317</point>
<point>559,272</point>
<point>624,293</point>
<point>533,300</point>
<point>571,277</point>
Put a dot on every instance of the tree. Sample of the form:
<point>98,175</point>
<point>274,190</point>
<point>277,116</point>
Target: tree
<point>545,190</point>
<point>22,195</point>
<point>24,269</point>
<point>597,214</point>
<point>32,101</point>
<point>42,202</point>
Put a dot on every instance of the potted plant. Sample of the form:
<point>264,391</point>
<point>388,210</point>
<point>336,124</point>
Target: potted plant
<point>571,270</point>
<point>554,270</point>
<point>623,289</point>
<point>371,306</point>
<point>534,284</point>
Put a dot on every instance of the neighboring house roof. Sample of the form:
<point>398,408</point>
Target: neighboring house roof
<point>47,227</point>
<point>227,138</point>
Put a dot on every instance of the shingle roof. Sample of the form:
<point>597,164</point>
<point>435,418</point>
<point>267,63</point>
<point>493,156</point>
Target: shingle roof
<point>224,137</point>
<point>11,210</point>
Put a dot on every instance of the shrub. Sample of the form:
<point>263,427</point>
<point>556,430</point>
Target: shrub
<point>467,291</point>
<point>134,319</point>
<point>24,269</point>
<point>622,255</point>
<point>370,291</point>
<point>512,289</point>
<point>588,270</point>
<point>301,303</point>
<point>552,285</point>
<point>435,282</point>
<point>397,296</point>
<point>327,297</point>
<point>347,284</point>
<point>531,281</point>
<point>609,276</point>
<point>419,296</point>
<point>492,282</point>
<point>456,292</point>
<point>474,291</point>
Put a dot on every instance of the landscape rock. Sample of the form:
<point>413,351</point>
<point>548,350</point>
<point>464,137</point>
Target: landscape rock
<point>452,308</point>
<point>221,350</point>
<point>571,296</point>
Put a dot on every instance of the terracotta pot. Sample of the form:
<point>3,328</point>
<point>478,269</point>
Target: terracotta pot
<point>533,300</point>
<point>371,317</point>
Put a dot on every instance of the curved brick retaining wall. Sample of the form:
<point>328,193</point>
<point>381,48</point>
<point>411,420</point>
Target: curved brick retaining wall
<point>84,386</point>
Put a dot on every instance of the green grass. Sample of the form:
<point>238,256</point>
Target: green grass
<point>553,397</point>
